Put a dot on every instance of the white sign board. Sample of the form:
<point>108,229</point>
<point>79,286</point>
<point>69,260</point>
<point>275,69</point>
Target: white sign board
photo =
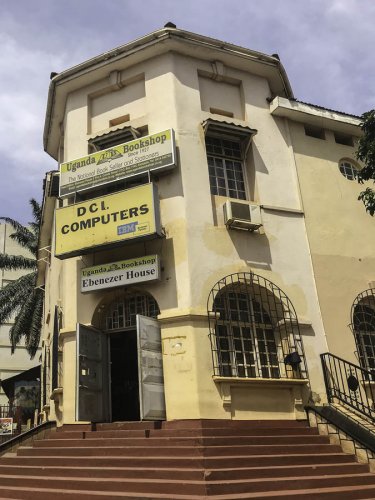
<point>121,273</point>
<point>154,153</point>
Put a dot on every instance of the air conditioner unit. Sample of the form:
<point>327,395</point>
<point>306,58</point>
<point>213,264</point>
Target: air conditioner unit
<point>242,216</point>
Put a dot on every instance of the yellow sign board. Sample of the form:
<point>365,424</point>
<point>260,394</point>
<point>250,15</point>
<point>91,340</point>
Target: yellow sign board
<point>107,220</point>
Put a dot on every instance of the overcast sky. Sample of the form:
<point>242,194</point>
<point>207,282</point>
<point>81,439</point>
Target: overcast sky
<point>326,47</point>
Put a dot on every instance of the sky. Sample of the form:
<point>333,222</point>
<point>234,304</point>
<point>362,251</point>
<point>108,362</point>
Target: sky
<point>326,47</point>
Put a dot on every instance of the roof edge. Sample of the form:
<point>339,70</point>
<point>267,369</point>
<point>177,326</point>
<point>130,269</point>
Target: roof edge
<point>150,39</point>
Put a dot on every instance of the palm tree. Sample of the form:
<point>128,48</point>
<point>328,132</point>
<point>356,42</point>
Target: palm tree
<point>21,298</point>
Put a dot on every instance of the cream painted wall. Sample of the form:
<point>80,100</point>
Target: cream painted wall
<point>198,249</point>
<point>341,234</point>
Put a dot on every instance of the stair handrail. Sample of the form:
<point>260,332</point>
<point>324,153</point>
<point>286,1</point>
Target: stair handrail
<point>19,439</point>
<point>350,384</point>
<point>344,429</point>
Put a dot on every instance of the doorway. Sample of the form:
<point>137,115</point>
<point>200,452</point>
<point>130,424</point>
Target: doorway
<point>124,388</point>
<point>119,361</point>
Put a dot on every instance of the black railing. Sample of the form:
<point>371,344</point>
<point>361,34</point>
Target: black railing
<point>349,384</point>
<point>22,419</point>
<point>16,440</point>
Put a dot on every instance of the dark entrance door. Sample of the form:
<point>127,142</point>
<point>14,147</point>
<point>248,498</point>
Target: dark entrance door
<point>124,376</point>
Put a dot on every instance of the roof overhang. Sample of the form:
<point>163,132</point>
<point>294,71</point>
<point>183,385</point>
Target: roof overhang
<point>155,44</point>
<point>312,115</point>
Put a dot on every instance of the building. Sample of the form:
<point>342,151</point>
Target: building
<point>204,250</point>
<point>11,365</point>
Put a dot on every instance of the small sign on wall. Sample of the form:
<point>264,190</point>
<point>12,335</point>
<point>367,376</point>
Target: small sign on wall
<point>121,273</point>
<point>6,426</point>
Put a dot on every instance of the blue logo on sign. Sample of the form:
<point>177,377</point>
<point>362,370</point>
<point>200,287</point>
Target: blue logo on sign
<point>127,228</point>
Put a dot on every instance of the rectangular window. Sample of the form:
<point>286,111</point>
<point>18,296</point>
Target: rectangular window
<point>344,139</point>
<point>316,132</point>
<point>225,166</point>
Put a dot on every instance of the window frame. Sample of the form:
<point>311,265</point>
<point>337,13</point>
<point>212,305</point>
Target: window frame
<point>268,312</point>
<point>353,169</point>
<point>242,135</point>
<point>363,328</point>
<point>224,166</point>
<point>257,323</point>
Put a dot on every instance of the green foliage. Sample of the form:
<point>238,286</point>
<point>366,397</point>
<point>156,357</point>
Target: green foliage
<point>366,154</point>
<point>20,298</point>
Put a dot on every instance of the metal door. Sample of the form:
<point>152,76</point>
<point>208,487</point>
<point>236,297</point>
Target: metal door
<point>150,369</point>
<point>92,379</point>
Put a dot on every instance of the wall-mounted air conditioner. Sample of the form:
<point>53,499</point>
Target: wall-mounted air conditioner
<point>242,216</point>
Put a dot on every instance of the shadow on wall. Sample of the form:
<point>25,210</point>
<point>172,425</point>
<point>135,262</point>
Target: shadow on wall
<point>253,248</point>
<point>170,183</point>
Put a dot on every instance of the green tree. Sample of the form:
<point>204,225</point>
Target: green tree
<point>21,298</point>
<point>366,153</point>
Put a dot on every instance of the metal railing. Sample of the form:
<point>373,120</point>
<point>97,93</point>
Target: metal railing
<point>349,384</point>
<point>23,419</point>
<point>350,435</point>
<point>29,435</point>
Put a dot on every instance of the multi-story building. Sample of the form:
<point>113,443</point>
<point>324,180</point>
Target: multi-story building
<point>207,243</point>
<point>12,364</point>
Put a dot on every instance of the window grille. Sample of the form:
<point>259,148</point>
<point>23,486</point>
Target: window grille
<point>122,312</point>
<point>254,330</point>
<point>363,327</point>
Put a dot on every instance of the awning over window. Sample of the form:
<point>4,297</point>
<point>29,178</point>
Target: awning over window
<point>229,129</point>
<point>124,134</point>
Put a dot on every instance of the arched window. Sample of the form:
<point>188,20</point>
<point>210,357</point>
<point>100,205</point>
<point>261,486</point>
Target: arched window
<point>363,327</point>
<point>254,330</point>
<point>119,312</point>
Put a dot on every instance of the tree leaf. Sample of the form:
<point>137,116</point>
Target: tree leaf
<point>16,262</point>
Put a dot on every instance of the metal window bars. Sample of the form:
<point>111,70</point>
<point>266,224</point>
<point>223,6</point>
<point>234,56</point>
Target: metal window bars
<point>122,311</point>
<point>254,330</point>
<point>363,327</point>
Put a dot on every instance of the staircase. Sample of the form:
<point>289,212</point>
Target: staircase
<point>184,460</point>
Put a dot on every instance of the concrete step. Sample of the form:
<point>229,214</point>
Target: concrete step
<point>203,488</point>
<point>106,472</point>
<point>347,493</point>
<point>218,431</point>
<point>223,462</point>
<point>184,460</point>
<point>183,474</point>
<point>289,483</point>
<point>179,451</point>
<point>196,424</point>
<point>19,493</point>
<point>118,485</point>
<point>184,441</point>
